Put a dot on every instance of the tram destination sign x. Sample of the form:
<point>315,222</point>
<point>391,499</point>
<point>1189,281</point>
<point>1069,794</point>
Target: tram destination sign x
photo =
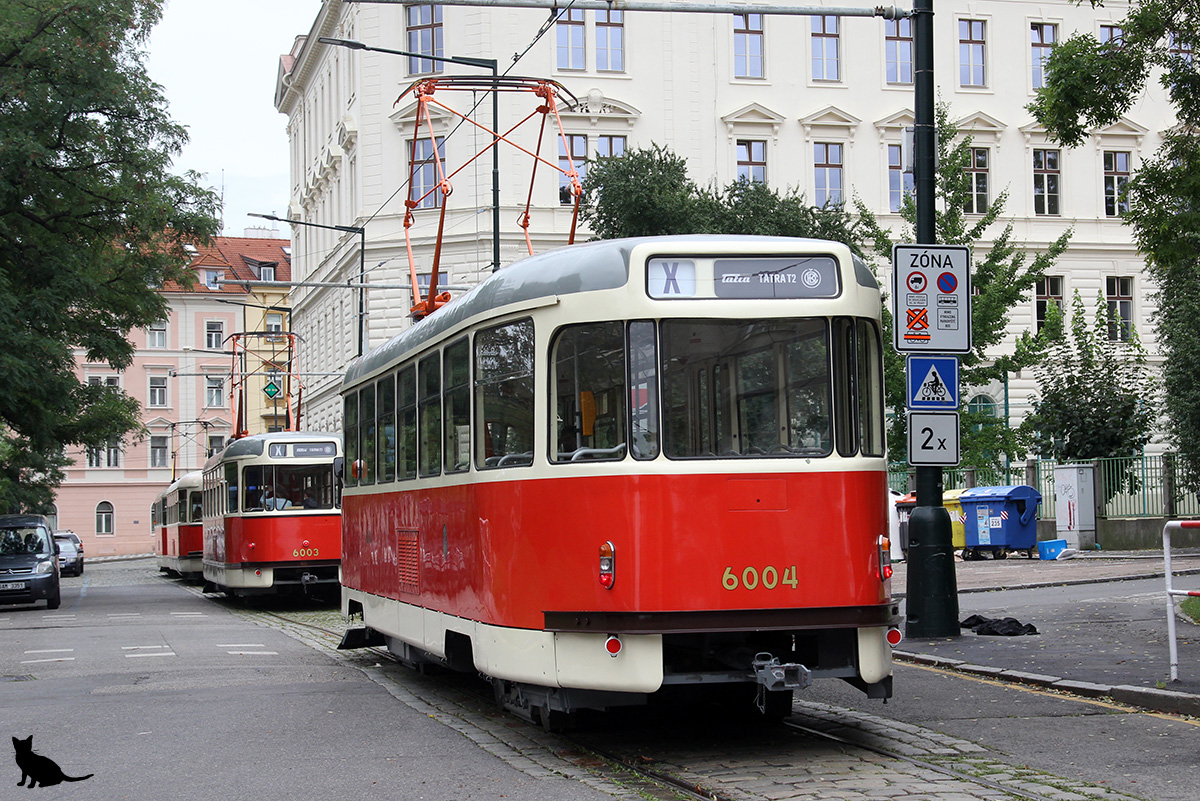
<point>932,288</point>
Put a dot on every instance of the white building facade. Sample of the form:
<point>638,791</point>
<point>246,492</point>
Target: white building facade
<point>818,103</point>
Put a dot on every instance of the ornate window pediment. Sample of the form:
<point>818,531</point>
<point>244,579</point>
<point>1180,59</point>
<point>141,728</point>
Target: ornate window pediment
<point>597,111</point>
<point>830,121</point>
<point>983,128</point>
<point>754,119</point>
<point>347,132</point>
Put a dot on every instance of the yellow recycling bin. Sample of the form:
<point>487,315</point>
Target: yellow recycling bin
<point>958,535</point>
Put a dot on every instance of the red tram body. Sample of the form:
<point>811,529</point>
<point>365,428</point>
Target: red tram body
<point>616,467</point>
<point>179,544</point>
<point>272,514</point>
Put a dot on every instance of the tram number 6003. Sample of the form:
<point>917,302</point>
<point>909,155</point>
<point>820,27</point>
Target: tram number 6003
<point>751,579</point>
<point>306,552</point>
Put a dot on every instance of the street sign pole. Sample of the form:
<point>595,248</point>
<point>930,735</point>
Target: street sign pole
<point>931,603</point>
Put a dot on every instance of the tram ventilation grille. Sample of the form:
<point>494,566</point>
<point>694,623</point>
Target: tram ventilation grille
<point>409,559</point>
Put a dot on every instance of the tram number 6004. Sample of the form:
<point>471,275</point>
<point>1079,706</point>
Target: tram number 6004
<point>751,579</point>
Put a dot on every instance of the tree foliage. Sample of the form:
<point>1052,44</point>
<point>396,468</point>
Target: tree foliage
<point>1003,277</point>
<point>91,223</point>
<point>1096,394</point>
<point>647,192</point>
<point>1092,84</point>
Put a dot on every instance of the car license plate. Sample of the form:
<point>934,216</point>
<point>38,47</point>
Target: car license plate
<point>12,585</point>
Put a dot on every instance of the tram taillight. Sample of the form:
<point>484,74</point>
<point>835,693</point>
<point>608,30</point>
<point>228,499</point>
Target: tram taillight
<point>607,565</point>
<point>885,558</point>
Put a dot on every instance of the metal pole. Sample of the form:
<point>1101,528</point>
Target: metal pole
<point>931,602</point>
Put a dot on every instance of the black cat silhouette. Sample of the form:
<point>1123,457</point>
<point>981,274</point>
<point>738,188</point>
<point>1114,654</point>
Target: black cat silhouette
<point>39,769</point>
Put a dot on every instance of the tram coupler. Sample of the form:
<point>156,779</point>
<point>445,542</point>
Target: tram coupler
<point>361,637</point>
<point>773,675</point>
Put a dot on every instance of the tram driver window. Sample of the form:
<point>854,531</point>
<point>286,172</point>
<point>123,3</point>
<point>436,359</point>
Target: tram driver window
<point>735,389</point>
<point>588,375</point>
<point>504,395</point>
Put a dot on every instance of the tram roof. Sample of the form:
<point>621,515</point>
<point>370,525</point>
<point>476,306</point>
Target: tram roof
<point>253,444</point>
<point>585,267</point>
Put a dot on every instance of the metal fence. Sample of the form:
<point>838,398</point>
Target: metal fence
<point>1140,486</point>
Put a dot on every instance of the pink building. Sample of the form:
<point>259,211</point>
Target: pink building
<point>182,378</point>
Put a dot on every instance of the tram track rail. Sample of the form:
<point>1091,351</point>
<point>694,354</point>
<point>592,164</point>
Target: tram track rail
<point>669,777</point>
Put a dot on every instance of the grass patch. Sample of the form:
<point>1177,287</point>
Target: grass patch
<point>1191,608</point>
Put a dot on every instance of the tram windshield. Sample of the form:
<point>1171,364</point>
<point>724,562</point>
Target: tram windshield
<point>284,486</point>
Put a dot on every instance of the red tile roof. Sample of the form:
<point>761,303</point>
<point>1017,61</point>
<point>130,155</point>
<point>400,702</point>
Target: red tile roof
<point>238,257</point>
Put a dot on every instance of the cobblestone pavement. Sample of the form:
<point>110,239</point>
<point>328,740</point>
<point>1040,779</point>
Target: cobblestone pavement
<point>829,753</point>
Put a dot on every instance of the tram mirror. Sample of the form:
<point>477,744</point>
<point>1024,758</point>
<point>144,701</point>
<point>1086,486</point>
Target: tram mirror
<point>587,410</point>
<point>339,468</point>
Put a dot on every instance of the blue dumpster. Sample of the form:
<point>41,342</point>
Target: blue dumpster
<point>998,520</point>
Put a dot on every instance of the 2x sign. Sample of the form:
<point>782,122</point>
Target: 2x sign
<point>933,439</point>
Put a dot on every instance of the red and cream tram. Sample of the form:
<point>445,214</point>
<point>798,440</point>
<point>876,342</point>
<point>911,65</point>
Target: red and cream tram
<point>625,465</point>
<point>272,514</point>
<point>180,540</point>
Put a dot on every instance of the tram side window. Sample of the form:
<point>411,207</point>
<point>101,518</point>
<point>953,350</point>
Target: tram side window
<point>643,372</point>
<point>589,393</point>
<point>350,430</point>
<point>197,508</point>
<point>429,415</point>
<point>386,406</point>
<point>870,382</point>
<point>456,364</point>
<point>504,395</point>
<point>406,442</point>
<point>734,389</point>
<point>845,352</point>
<point>366,427</point>
<point>231,483</point>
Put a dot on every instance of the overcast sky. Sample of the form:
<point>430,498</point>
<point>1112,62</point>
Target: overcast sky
<point>217,61</point>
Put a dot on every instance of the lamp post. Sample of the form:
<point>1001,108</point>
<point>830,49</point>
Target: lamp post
<point>362,262</point>
<point>485,63</point>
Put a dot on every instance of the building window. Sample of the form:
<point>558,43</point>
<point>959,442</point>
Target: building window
<point>1116,175</point>
<point>423,280</point>
<point>158,451</point>
<point>104,518</point>
<point>214,392</point>
<point>576,158</point>
<point>1049,292</point>
<point>425,171</point>
<point>569,28</point>
<point>107,380</point>
<point>752,160</point>
<point>608,146</point>
<point>1119,292</point>
<point>748,45</point>
<point>977,172</point>
<point>423,28</point>
<point>610,41</point>
<point>214,334</point>
<point>972,53</point>
<point>1178,48</point>
<point>1046,178</point>
<point>827,164</point>
<point>156,335</point>
<point>215,444</point>
<point>274,323</point>
<point>1111,33</point>
<point>1042,35</point>
<point>108,455</point>
<point>266,272</point>
<point>899,46</point>
<point>900,183</point>
<point>158,391</point>
<point>825,48</point>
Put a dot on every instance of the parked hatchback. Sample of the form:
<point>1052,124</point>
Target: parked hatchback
<point>70,556</point>
<point>28,561</point>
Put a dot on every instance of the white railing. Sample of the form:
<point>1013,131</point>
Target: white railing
<point>1171,591</point>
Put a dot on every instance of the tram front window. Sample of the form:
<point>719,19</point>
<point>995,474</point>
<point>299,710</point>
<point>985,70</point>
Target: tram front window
<point>274,487</point>
<point>734,389</point>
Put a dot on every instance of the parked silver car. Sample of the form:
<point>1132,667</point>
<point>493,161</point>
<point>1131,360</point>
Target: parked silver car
<point>70,556</point>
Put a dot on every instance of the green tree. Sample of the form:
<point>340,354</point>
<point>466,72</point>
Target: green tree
<point>1096,393</point>
<point>647,192</point>
<point>1003,277</point>
<point>1091,84</point>
<point>91,223</point>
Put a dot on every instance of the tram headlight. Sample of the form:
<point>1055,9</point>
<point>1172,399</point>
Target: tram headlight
<point>607,565</point>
